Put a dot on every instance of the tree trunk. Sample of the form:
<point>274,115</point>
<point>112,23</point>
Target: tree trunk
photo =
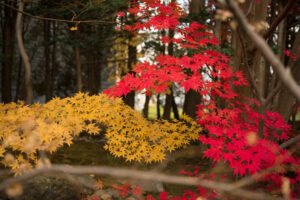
<point>90,72</point>
<point>18,83</point>
<point>257,14</point>
<point>158,106</point>
<point>192,98</point>
<point>132,58</point>
<point>98,72</point>
<point>8,41</point>
<point>47,60</point>
<point>286,101</point>
<point>174,107</point>
<point>53,58</point>
<point>28,82</point>
<point>146,106</point>
<point>196,6</point>
<point>78,68</point>
<point>168,106</point>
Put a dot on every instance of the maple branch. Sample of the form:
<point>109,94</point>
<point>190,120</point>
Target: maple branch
<point>55,19</point>
<point>260,43</point>
<point>137,174</point>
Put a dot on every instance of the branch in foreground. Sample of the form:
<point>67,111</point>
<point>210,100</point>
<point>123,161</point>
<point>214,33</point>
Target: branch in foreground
<point>136,174</point>
<point>260,43</point>
<point>290,142</point>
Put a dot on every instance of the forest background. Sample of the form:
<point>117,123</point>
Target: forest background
<point>77,46</point>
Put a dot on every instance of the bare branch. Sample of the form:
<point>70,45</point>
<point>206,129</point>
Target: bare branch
<point>282,15</point>
<point>136,174</point>
<point>290,142</point>
<point>260,43</point>
<point>54,19</point>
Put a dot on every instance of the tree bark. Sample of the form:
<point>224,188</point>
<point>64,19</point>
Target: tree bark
<point>47,60</point>
<point>257,14</point>
<point>168,106</point>
<point>8,41</point>
<point>286,101</point>
<point>146,106</point>
<point>196,6</point>
<point>18,83</point>
<point>174,107</point>
<point>192,98</point>
<point>53,58</point>
<point>78,69</point>
<point>132,58</point>
<point>98,72</point>
<point>158,106</point>
<point>28,81</point>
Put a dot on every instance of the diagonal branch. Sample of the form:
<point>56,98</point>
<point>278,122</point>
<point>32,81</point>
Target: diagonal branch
<point>282,15</point>
<point>284,73</point>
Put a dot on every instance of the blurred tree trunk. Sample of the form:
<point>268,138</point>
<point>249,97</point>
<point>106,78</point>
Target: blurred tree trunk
<point>286,101</point>
<point>174,107</point>
<point>256,14</point>
<point>28,81</point>
<point>146,106</point>
<point>158,106</point>
<point>8,40</point>
<point>98,71</point>
<point>132,59</point>
<point>19,77</point>
<point>170,102</point>
<point>168,106</point>
<point>48,70</point>
<point>196,6</point>
<point>53,58</point>
<point>78,68</point>
<point>193,98</point>
<point>90,71</point>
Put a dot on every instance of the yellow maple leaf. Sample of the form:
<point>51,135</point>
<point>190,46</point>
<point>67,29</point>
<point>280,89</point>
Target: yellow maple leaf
<point>74,28</point>
<point>99,184</point>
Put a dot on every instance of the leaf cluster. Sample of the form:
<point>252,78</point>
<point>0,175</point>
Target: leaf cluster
<point>28,130</point>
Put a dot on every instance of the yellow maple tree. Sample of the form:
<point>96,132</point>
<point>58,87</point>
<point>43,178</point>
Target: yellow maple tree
<point>27,130</point>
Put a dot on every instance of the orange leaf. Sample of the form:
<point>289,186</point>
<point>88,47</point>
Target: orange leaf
<point>99,184</point>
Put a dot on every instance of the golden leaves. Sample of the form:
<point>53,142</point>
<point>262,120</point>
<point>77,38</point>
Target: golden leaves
<point>30,129</point>
<point>98,184</point>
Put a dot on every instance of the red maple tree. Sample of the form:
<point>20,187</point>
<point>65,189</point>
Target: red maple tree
<point>232,130</point>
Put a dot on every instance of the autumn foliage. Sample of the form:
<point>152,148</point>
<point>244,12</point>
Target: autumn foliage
<point>231,123</point>
<point>230,119</point>
<point>27,130</point>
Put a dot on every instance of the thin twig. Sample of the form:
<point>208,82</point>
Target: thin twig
<point>55,19</point>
